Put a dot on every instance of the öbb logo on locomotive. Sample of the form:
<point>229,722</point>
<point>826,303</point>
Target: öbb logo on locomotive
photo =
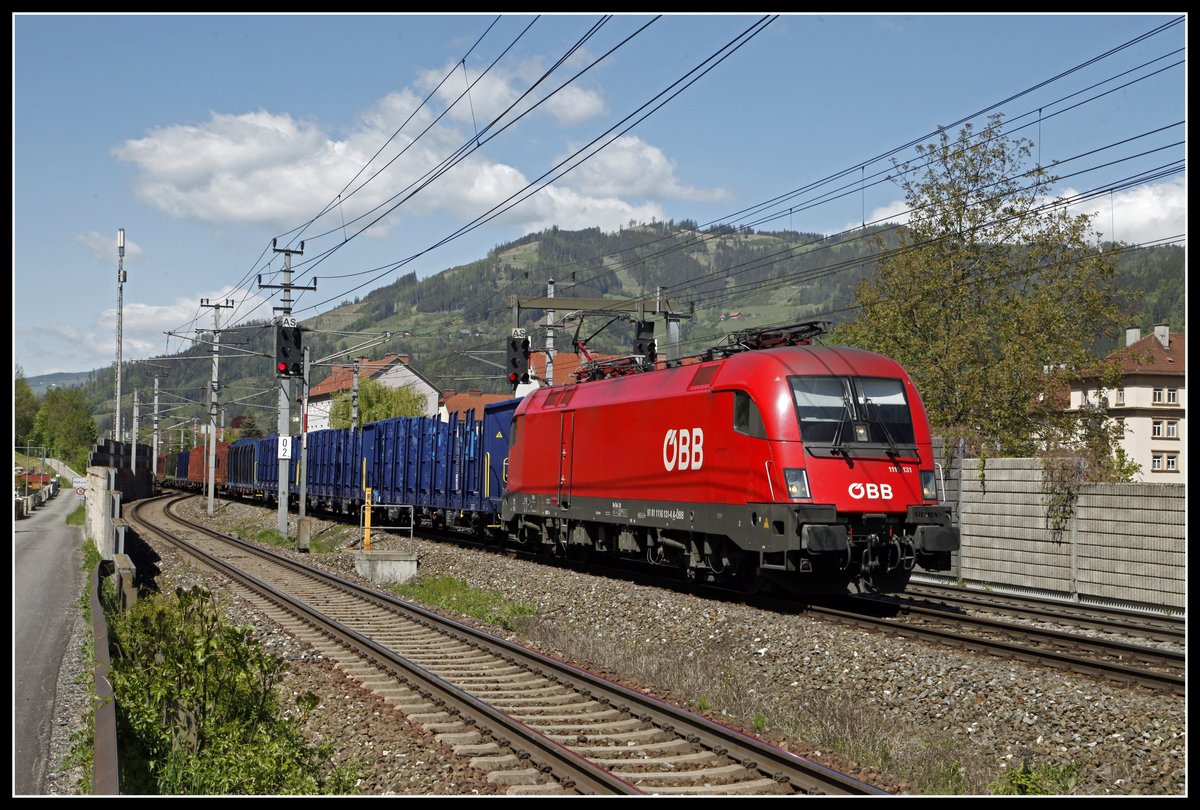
<point>858,491</point>
<point>683,449</point>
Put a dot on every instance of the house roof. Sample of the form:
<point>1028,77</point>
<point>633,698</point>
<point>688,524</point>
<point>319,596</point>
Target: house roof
<point>462,401</point>
<point>342,377</point>
<point>1149,356</point>
<point>565,365</point>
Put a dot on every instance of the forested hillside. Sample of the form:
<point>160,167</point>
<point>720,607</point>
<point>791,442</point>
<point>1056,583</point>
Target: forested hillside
<point>723,278</point>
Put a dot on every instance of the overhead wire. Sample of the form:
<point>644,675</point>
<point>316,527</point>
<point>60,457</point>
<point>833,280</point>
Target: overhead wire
<point>339,195</point>
<point>579,156</point>
<point>774,201</point>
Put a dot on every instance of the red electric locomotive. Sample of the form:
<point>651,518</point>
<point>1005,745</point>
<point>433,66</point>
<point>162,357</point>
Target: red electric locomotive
<point>771,461</point>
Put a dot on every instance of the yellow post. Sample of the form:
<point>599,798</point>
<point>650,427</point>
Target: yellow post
<point>367,522</point>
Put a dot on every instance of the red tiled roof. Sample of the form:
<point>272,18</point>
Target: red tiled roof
<point>342,378</point>
<point>1148,356</point>
<point>565,365</point>
<point>460,403</point>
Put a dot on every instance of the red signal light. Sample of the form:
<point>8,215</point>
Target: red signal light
<point>282,368</point>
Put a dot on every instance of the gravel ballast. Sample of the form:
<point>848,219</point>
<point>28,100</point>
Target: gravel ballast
<point>910,716</point>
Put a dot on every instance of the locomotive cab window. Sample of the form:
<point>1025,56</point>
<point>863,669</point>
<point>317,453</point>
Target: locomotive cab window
<point>841,411</point>
<point>746,416</point>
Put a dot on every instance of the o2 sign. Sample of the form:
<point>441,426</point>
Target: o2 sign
<point>683,449</point>
<point>873,491</point>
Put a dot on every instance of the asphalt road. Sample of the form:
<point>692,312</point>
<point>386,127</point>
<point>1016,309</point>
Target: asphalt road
<point>47,582</point>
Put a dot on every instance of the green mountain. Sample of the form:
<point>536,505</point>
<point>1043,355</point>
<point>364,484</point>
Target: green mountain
<point>722,279</point>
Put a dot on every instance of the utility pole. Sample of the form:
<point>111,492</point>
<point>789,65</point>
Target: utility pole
<point>133,444</point>
<point>354,396</point>
<point>304,436</point>
<point>672,352</point>
<point>214,395</point>
<point>287,320</point>
<point>154,456</point>
<point>120,312</point>
<point>550,335</point>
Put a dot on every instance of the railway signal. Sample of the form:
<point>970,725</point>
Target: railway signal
<point>644,343</point>
<point>289,355</point>
<point>517,363</point>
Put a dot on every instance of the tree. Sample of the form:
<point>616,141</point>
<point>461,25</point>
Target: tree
<point>25,407</point>
<point>64,423</point>
<point>993,299</point>
<point>376,401</point>
<point>250,428</point>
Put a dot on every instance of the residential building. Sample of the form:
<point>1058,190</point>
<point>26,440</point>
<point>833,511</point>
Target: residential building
<point>1150,403</point>
<point>392,371</point>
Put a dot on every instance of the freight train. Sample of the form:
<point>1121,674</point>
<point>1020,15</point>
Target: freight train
<point>770,462</point>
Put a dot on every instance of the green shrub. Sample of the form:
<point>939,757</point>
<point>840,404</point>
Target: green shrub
<point>1046,780</point>
<point>197,708</point>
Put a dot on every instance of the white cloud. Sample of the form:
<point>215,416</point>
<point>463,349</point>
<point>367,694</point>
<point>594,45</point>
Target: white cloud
<point>569,209</point>
<point>268,169</point>
<point>103,247</point>
<point>630,166</point>
<point>143,328</point>
<point>492,94</point>
<point>251,168</point>
<point>573,105</point>
<point>1141,214</point>
<point>896,212</point>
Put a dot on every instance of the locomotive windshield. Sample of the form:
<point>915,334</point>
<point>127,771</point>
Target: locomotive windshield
<point>838,411</point>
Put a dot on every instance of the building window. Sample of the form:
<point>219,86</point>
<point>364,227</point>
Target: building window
<point>1158,396</point>
<point>1156,462</point>
<point>1172,463</point>
<point>1156,429</point>
<point>1172,396</point>
<point>1120,396</point>
<point>1172,430</point>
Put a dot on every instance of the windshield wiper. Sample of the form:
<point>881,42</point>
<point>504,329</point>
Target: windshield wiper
<point>892,449</point>
<point>847,413</point>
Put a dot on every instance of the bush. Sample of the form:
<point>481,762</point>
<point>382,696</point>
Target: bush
<point>197,709</point>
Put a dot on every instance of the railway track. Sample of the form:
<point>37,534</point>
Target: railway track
<point>943,615</point>
<point>535,724</point>
<point>1134,663</point>
<point>1133,625</point>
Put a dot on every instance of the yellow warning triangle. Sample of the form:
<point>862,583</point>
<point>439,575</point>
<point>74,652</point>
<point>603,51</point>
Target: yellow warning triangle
<point>499,435</point>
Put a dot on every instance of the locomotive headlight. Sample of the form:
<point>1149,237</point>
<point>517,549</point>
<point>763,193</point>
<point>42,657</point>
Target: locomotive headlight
<point>928,485</point>
<point>797,483</point>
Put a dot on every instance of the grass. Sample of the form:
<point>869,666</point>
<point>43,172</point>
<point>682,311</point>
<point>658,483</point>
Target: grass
<point>455,594</point>
<point>77,517</point>
<point>83,744</point>
<point>270,537</point>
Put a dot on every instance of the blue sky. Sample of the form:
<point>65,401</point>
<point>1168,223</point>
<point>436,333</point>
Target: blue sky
<point>205,137</point>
